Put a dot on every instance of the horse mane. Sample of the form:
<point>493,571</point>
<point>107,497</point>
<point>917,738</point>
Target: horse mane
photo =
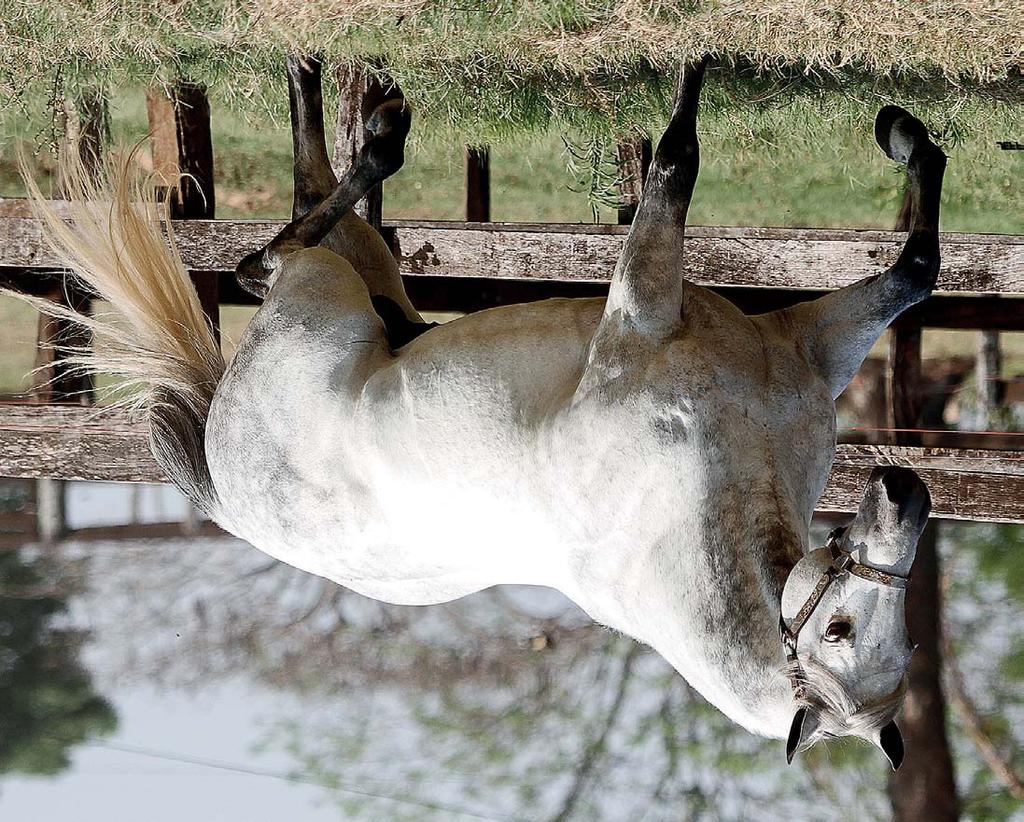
<point>838,713</point>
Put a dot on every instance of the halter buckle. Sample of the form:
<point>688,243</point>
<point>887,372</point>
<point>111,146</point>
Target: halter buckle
<point>843,561</point>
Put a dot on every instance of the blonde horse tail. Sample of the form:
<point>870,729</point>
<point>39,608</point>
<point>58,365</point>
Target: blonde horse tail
<point>119,247</point>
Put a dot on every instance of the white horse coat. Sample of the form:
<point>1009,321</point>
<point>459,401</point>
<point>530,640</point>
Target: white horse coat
<point>475,456</point>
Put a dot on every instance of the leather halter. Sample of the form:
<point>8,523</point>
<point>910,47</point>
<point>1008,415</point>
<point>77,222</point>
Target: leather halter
<point>842,563</point>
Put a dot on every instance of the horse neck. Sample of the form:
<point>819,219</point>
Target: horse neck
<point>713,613</point>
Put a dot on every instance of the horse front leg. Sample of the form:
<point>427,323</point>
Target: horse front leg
<point>839,329</point>
<point>646,293</point>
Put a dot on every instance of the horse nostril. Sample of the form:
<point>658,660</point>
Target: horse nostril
<point>838,630</point>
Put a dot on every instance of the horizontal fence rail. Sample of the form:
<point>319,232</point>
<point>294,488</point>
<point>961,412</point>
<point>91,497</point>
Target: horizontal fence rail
<point>467,267</point>
<point>70,442</point>
<point>815,259</point>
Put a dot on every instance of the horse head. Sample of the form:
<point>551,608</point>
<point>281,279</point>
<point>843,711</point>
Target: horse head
<point>843,619</point>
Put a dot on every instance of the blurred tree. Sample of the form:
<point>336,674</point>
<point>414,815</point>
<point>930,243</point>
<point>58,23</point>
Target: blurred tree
<point>985,664</point>
<point>47,701</point>
<point>504,702</point>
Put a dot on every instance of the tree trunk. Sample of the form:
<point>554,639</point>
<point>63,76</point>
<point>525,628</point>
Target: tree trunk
<point>924,787</point>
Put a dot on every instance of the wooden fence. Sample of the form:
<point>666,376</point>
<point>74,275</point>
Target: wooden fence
<point>464,267</point>
<point>474,265</point>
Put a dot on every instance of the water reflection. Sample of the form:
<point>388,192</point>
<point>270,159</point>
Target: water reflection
<point>509,704</point>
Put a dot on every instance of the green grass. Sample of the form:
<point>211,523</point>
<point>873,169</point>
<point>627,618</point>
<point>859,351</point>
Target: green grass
<point>776,176</point>
<point>492,71</point>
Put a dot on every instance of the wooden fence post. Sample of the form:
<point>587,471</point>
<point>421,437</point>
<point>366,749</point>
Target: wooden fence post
<point>904,384</point>
<point>179,126</point>
<point>359,93</point>
<point>924,787</point>
<point>478,185</point>
<point>987,371</point>
<point>634,161</point>
<point>86,128</point>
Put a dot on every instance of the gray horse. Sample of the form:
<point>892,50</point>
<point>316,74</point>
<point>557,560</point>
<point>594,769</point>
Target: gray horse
<point>656,456</point>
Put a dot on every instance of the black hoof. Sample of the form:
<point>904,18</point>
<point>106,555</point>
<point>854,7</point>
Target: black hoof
<point>389,124</point>
<point>899,133</point>
<point>252,275</point>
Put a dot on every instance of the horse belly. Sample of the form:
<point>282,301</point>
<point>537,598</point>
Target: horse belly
<point>391,503</point>
<point>452,445</point>
<point>456,495</point>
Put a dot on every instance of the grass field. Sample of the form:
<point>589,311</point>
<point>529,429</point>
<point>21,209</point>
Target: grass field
<point>773,177</point>
<point>489,70</point>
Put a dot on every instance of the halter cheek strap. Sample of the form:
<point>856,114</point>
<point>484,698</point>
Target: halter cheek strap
<point>842,563</point>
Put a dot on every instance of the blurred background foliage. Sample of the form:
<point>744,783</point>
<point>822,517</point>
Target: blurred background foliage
<point>511,703</point>
<point>48,703</point>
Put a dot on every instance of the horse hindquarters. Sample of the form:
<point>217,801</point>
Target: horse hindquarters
<point>295,439</point>
<point>281,417</point>
<point>322,303</point>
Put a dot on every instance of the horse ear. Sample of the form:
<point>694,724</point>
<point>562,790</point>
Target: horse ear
<point>890,741</point>
<point>804,724</point>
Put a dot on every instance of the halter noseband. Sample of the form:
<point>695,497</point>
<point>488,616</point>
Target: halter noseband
<point>842,563</point>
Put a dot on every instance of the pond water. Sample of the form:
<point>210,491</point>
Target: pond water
<point>190,677</point>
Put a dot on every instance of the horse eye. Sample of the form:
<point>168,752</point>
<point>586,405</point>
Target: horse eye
<point>838,630</point>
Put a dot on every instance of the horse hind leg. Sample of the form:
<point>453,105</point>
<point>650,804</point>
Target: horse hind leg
<point>647,286</point>
<point>312,175</point>
<point>322,212</point>
<point>838,330</point>
<point>360,243</point>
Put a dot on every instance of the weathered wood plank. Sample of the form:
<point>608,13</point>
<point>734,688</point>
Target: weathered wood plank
<point>71,442</point>
<point>777,258</point>
<point>118,533</point>
<point>958,495</point>
<point>67,442</point>
<point>468,294</point>
<point>773,258</point>
<point>946,460</point>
